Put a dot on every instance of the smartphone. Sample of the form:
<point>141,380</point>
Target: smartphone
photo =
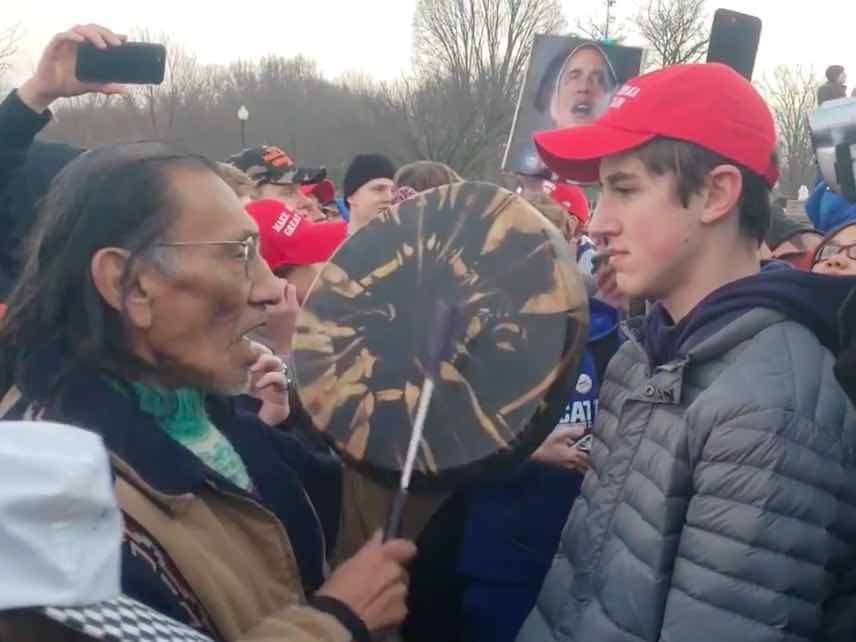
<point>734,40</point>
<point>584,443</point>
<point>137,63</point>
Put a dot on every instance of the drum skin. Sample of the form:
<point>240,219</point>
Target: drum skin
<point>521,324</point>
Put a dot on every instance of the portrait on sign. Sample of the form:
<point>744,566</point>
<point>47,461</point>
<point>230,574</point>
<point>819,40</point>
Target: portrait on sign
<point>569,82</point>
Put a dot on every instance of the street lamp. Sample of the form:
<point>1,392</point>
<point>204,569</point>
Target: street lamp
<point>243,116</point>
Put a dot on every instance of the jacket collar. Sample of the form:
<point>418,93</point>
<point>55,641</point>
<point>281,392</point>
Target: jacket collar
<point>87,400</point>
<point>166,471</point>
<point>706,343</point>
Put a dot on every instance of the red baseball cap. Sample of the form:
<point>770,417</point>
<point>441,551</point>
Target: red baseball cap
<point>287,238</point>
<point>571,197</point>
<point>325,191</point>
<point>710,105</point>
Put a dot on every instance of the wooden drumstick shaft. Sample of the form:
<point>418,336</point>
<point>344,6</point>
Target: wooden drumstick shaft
<point>393,526</point>
<point>418,428</point>
<point>440,340</point>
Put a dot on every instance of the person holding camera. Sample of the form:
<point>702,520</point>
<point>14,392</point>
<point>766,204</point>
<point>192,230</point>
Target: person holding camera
<point>28,165</point>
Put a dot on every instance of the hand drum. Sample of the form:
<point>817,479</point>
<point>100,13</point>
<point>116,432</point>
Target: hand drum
<point>520,329</point>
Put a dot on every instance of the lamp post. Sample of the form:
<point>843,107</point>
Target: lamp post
<point>243,116</point>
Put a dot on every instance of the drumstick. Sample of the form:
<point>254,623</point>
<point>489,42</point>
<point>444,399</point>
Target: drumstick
<point>439,342</point>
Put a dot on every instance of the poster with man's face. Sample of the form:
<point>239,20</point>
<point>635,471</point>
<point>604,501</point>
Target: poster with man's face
<point>569,82</point>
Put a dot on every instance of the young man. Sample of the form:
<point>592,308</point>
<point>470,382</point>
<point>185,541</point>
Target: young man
<point>720,502</point>
<point>369,188</point>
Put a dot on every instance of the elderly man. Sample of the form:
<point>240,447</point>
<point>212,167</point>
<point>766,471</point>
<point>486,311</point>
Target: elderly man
<point>132,319</point>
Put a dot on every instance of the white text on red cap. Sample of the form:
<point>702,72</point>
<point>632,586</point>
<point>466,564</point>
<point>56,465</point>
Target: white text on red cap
<point>288,221</point>
<point>621,96</point>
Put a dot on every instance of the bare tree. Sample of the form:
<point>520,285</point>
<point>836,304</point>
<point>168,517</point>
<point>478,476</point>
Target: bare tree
<point>162,104</point>
<point>603,27</point>
<point>9,38</point>
<point>470,56</point>
<point>790,92</point>
<point>676,31</point>
<point>456,106</point>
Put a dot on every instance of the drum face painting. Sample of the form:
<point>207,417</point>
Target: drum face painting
<point>520,328</point>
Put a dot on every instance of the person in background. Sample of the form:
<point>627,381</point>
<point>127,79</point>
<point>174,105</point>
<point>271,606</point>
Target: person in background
<point>276,176</point>
<point>134,318</point>
<point>836,253</point>
<point>323,194</point>
<point>514,524</point>
<point>682,530</point>
<point>294,247</point>
<point>574,201</point>
<point>424,175</point>
<point>835,86</point>
<point>369,189</point>
<point>243,186</point>
<point>790,240</point>
<point>827,209</point>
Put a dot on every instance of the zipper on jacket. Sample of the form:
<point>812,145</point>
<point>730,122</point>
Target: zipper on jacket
<point>282,528</point>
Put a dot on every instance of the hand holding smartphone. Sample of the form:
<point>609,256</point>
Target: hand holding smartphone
<point>55,75</point>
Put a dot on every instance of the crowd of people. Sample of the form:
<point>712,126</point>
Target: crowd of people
<point>700,483</point>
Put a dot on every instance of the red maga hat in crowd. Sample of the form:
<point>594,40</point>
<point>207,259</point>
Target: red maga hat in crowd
<point>570,197</point>
<point>287,238</point>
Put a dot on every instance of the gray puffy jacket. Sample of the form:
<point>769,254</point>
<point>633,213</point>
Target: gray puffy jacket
<point>721,501</point>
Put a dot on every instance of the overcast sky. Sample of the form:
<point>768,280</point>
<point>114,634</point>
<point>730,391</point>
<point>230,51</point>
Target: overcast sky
<point>374,36</point>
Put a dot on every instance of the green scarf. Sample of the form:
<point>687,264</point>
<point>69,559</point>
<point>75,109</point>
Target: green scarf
<point>181,414</point>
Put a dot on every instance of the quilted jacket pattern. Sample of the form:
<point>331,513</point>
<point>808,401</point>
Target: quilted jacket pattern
<point>721,501</point>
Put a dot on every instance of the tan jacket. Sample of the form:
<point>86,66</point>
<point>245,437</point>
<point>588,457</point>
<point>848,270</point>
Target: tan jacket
<point>236,556</point>
<point>225,560</point>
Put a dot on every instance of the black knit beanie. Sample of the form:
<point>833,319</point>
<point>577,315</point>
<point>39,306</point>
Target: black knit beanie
<point>365,168</point>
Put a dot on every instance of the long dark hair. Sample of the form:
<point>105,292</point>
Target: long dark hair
<point>114,196</point>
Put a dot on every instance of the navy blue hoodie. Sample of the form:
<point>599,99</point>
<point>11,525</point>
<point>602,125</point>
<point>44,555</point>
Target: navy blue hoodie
<point>812,300</point>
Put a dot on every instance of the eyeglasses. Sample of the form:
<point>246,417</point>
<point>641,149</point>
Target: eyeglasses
<point>834,249</point>
<point>247,250</point>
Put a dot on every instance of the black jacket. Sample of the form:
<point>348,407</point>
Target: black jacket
<point>27,167</point>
